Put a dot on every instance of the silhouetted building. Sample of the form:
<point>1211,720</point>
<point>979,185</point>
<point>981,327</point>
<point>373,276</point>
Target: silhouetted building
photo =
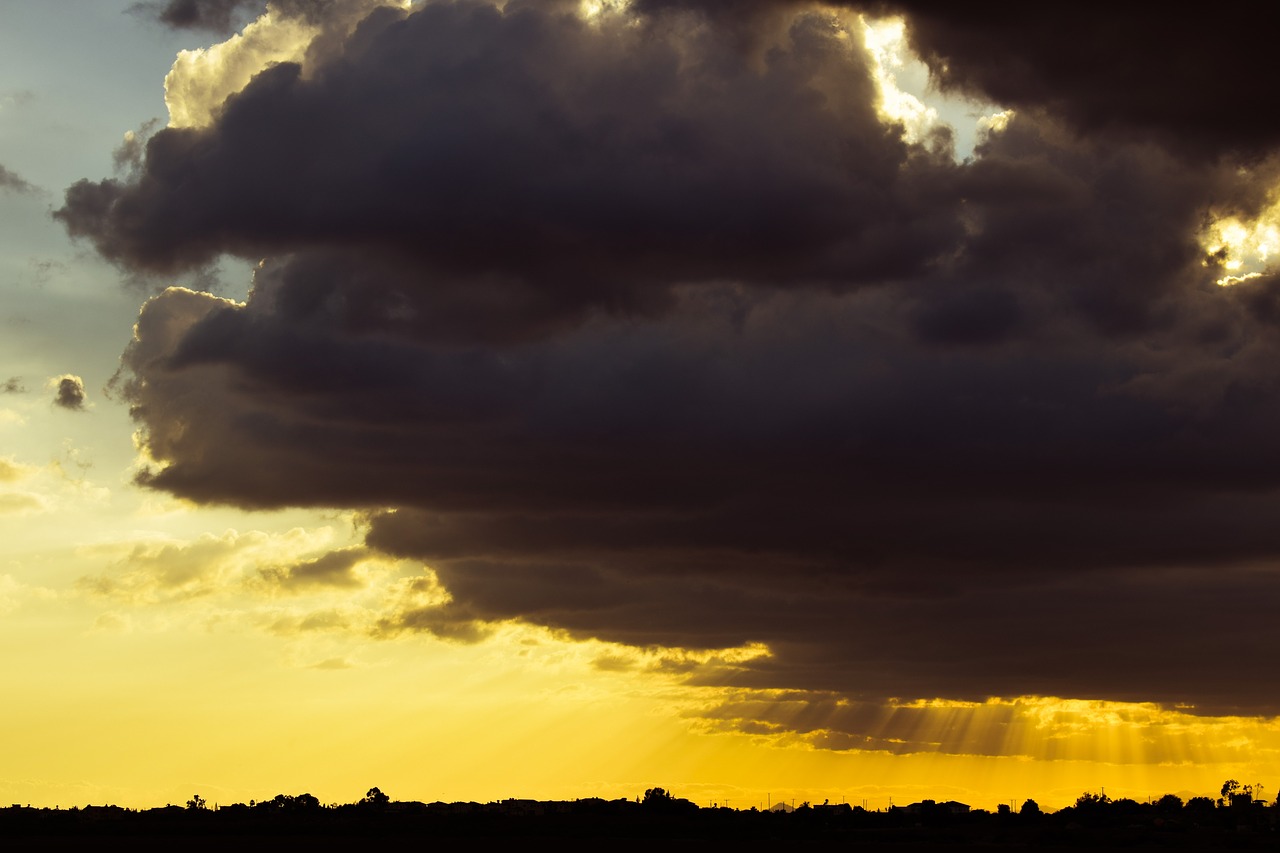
<point>929,807</point>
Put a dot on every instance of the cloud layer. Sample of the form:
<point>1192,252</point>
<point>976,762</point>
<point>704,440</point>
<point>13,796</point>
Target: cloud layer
<point>647,327</point>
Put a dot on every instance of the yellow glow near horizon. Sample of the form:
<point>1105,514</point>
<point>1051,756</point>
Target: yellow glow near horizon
<point>238,690</point>
<point>1045,730</point>
<point>210,672</point>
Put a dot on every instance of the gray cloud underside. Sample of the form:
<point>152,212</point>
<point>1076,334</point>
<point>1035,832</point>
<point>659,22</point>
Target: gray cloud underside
<point>655,333</point>
<point>224,16</point>
<point>214,15</point>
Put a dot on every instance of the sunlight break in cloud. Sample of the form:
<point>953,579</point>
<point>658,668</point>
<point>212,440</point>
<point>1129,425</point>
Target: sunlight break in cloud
<point>886,41</point>
<point>1244,248</point>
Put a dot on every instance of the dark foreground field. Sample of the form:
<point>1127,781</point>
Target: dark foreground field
<point>666,826</point>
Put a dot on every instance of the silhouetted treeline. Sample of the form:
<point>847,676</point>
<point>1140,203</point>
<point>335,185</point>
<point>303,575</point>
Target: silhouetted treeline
<point>1236,821</point>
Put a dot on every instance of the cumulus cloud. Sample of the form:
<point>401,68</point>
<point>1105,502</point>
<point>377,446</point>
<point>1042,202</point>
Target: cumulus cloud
<point>650,328</point>
<point>690,167</point>
<point>68,392</point>
<point>201,80</point>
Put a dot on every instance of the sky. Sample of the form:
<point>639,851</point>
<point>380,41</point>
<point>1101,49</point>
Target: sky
<point>821,401</point>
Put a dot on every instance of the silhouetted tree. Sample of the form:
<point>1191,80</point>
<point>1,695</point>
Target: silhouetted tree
<point>196,803</point>
<point>306,801</point>
<point>375,798</point>
<point>661,801</point>
<point>1199,806</point>
<point>656,796</point>
<point>1169,803</point>
<point>1237,796</point>
<point>1089,801</point>
<point>1030,808</point>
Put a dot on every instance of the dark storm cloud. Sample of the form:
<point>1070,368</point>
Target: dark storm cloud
<point>1170,75</point>
<point>653,332</point>
<point>542,162</point>
<point>1198,83</point>
<point>68,392</point>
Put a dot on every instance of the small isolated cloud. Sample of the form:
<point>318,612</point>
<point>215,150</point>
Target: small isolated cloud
<point>13,386</point>
<point>12,182</point>
<point>69,392</point>
<point>212,15</point>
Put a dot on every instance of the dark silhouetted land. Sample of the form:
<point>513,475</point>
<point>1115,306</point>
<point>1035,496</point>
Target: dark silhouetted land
<point>1234,822</point>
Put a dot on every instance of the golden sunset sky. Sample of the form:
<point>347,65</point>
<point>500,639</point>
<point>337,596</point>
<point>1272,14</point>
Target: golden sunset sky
<point>849,402</point>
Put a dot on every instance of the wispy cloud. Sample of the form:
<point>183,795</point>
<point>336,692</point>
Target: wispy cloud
<point>13,183</point>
